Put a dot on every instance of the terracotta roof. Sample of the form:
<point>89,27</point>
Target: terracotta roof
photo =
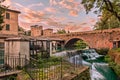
<point>26,38</point>
<point>48,38</point>
<point>48,29</point>
<point>19,37</point>
<point>13,10</point>
<point>7,35</point>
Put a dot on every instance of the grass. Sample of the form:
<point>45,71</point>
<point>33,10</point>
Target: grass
<point>51,68</point>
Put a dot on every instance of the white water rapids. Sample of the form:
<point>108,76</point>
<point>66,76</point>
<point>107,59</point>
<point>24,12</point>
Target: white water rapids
<point>99,70</point>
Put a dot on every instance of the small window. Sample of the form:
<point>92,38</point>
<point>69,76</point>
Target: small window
<point>7,15</point>
<point>1,45</point>
<point>7,27</point>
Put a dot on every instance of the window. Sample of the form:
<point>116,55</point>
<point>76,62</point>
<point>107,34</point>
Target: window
<point>1,45</point>
<point>7,27</point>
<point>114,44</point>
<point>7,15</point>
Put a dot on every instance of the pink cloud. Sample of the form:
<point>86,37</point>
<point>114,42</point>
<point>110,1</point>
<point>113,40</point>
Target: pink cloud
<point>25,25</point>
<point>53,2</point>
<point>36,17</point>
<point>70,0</point>
<point>92,20</point>
<point>84,23</point>
<point>57,19</point>
<point>86,28</point>
<point>73,13</point>
<point>73,6</point>
<point>7,2</point>
<point>36,5</point>
<point>50,9</point>
<point>72,27</point>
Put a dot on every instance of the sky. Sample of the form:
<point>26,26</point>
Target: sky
<point>55,14</point>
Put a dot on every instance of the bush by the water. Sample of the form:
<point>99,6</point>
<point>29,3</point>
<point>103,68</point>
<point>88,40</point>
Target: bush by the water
<point>43,62</point>
<point>115,50</point>
<point>102,51</point>
<point>113,65</point>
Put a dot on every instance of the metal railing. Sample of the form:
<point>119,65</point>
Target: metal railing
<point>48,69</point>
<point>44,70</point>
<point>11,64</point>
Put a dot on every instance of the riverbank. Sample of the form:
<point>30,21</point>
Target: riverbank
<point>113,59</point>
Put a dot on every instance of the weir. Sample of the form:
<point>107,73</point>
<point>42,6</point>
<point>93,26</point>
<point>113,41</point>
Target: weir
<point>99,69</point>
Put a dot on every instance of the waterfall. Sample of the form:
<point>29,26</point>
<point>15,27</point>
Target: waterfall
<point>99,70</point>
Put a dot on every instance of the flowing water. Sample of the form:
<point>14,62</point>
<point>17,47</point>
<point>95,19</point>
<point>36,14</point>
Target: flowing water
<point>99,70</point>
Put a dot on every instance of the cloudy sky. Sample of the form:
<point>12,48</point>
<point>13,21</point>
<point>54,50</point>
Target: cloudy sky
<point>56,14</point>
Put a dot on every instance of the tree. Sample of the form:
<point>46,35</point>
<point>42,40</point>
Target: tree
<point>107,21</point>
<point>113,6</point>
<point>2,10</point>
<point>61,31</point>
<point>28,33</point>
<point>80,44</point>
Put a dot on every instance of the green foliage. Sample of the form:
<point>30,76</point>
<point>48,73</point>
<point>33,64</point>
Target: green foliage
<point>61,31</point>
<point>107,21</point>
<point>102,51</point>
<point>113,65</point>
<point>113,6</point>
<point>2,10</point>
<point>116,50</point>
<point>12,78</point>
<point>117,69</point>
<point>80,44</point>
<point>108,58</point>
<point>43,62</point>
<point>19,67</point>
<point>28,33</point>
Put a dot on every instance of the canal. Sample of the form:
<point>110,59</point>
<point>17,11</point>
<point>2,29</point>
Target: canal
<point>99,69</point>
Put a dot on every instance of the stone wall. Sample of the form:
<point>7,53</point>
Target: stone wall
<point>84,74</point>
<point>36,30</point>
<point>94,39</point>
<point>115,55</point>
<point>18,50</point>
<point>47,32</point>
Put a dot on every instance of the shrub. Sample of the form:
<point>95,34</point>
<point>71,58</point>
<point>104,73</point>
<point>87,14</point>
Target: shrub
<point>102,51</point>
<point>108,58</point>
<point>116,50</point>
<point>113,65</point>
<point>18,67</point>
<point>117,69</point>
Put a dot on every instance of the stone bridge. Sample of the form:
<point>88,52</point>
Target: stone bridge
<point>94,39</point>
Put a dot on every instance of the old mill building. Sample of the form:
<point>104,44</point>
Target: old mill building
<point>11,43</point>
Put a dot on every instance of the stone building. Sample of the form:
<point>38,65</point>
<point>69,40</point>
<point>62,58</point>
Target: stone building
<point>36,30</point>
<point>10,29</point>
<point>10,22</point>
<point>13,45</point>
<point>47,32</point>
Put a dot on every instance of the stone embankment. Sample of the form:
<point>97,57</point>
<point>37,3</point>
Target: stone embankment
<point>115,55</point>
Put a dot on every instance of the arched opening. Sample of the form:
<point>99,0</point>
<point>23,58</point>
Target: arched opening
<point>76,43</point>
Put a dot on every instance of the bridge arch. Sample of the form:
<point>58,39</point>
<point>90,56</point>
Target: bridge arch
<point>70,42</point>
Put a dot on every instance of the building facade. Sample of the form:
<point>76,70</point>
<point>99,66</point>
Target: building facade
<point>36,30</point>
<point>10,29</point>
<point>47,32</point>
<point>10,22</point>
